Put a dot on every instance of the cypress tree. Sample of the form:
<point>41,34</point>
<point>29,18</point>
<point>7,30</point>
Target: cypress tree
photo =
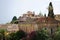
<point>50,10</point>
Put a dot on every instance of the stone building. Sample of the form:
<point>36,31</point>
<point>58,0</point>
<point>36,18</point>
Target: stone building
<point>9,27</point>
<point>12,28</point>
<point>28,26</point>
<point>48,23</point>
<point>57,17</point>
<point>3,26</point>
<point>29,14</point>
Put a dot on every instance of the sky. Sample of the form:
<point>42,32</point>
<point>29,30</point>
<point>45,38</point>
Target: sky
<point>10,8</point>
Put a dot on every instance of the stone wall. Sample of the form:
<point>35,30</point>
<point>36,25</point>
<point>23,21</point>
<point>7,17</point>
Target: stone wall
<point>28,27</point>
<point>9,27</point>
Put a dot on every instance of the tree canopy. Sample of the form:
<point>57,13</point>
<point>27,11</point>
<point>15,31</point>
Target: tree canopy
<point>14,19</point>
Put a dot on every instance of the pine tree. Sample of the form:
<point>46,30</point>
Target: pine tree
<point>50,11</point>
<point>14,19</point>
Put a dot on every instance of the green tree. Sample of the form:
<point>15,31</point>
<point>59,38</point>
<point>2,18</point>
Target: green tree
<point>57,34</point>
<point>14,20</point>
<point>1,36</point>
<point>16,35</point>
<point>50,11</point>
<point>2,33</point>
<point>12,36</point>
<point>20,34</point>
<point>40,14</point>
<point>40,35</point>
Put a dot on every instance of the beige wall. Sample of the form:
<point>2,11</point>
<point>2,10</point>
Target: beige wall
<point>12,27</point>
<point>28,27</point>
<point>9,27</point>
<point>57,17</point>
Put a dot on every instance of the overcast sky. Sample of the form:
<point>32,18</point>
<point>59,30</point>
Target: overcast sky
<point>10,8</point>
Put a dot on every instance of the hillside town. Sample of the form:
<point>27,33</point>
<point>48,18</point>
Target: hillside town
<point>30,22</point>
